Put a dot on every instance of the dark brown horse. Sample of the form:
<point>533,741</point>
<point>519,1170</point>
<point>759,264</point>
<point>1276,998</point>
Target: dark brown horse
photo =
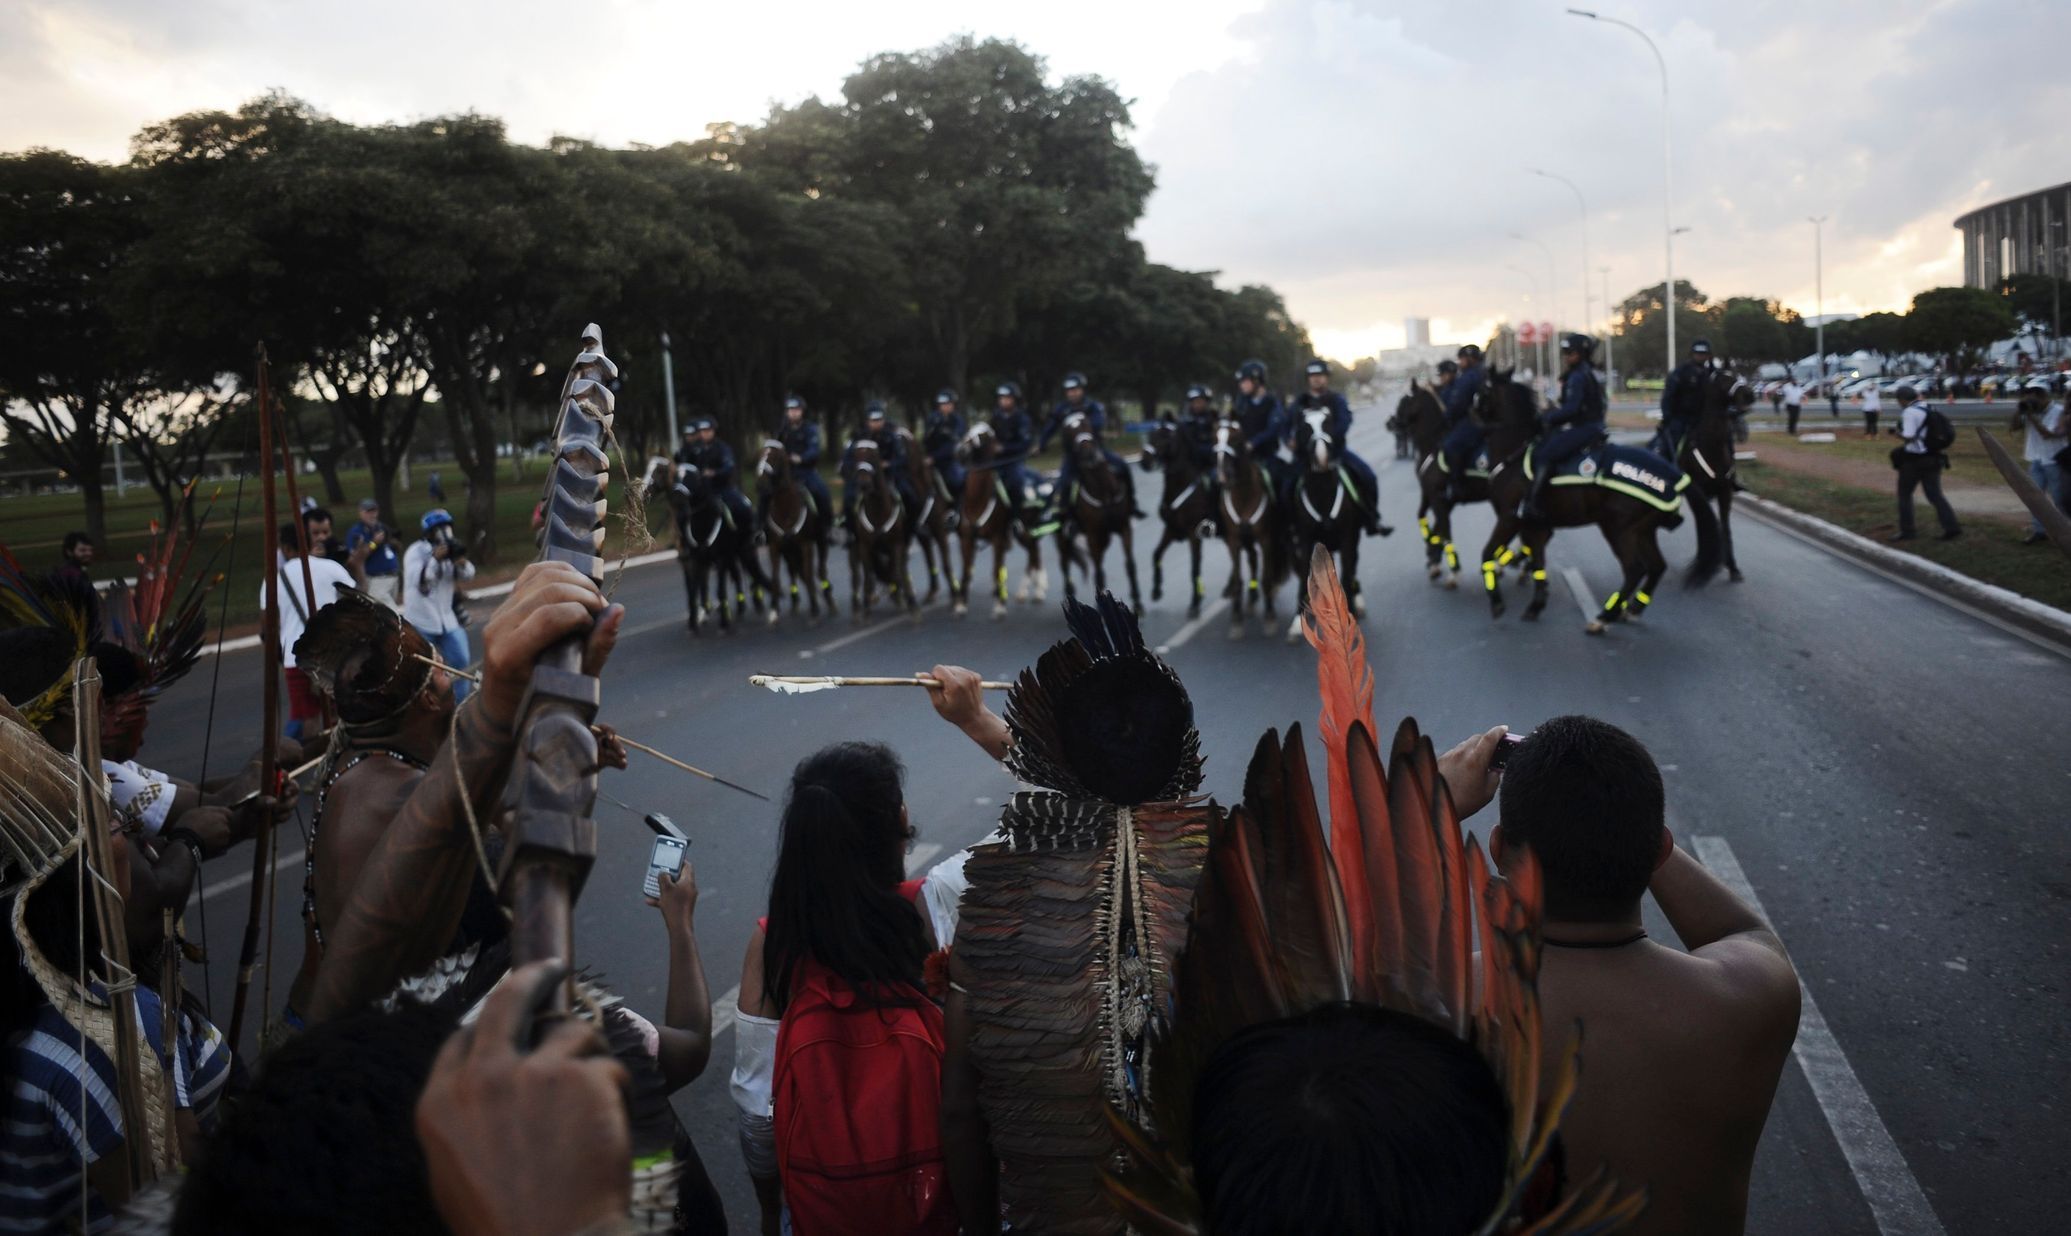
<point>1706,453</point>
<point>931,521</point>
<point>1323,511</point>
<point>1509,410</point>
<point>712,551</point>
<point>1100,507</point>
<point>879,549</point>
<point>1253,528</point>
<point>986,516</point>
<point>795,530</point>
<point>1424,415</point>
<point>1185,510</point>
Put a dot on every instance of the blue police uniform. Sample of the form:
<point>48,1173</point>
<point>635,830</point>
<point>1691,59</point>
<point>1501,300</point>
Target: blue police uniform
<point>1340,425</point>
<point>802,442</point>
<point>716,457</point>
<point>1682,402</point>
<point>1578,421</point>
<point>1464,437</point>
<point>1197,431</point>
<point>1096,415</point>
<point>939,436</point>
<point>1017,441</point>
<point>1265,427</point>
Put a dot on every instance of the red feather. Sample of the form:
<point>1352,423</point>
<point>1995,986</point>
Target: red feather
<point>1345,682</point>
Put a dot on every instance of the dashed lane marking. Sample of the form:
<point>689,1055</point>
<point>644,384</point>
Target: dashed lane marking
<point>1579,589</point>
<point>876,628</point>
<point>1194,626</point>
<point>244,877</point>
<point>1887,1183</point>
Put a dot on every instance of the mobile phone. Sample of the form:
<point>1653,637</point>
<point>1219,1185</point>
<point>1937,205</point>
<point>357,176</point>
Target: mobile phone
<point>662,825</point>
<point>666,856</point>
<point>1500,757</point>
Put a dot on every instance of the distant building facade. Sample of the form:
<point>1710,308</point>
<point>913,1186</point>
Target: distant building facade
<point>1420,361</point>
<point>2023,235</point>
<point>1416,332</point>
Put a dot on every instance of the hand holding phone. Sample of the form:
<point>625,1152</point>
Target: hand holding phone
<point>667,855</point>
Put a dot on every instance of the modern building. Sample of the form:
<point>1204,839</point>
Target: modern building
<point>1416,332</point>
<point>2023,235</point>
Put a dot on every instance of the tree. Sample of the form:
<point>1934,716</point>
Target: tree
<point>1957,322</point>
<point>1642,327</point>
<point>1750,331</point>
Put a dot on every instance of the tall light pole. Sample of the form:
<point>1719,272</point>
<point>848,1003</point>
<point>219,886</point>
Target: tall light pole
<point>1584,205</point>
<point>669,390</point>
<point>1533,280</point>
<point>1610,363</point>
<point>1819,298</point>
<point>1552,280</point>
<point>1667,181</point>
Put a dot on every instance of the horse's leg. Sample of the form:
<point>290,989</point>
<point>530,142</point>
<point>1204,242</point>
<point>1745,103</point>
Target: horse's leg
<point>1129,566</point>
<point>1301,590</point>
<point>1654,563</point>
<point>858,565</point>
<point>1348,569</point>
<point>1194,572</point>
<point>907,595</point>
<point>1433,526</point>
<point>960,580</point>
<point>1238,582</point>
<point>1534,539</point>
<point>690,593</point>
<point>1624,544</point>
<point>1725,497</point>
<point>1158,564</point>
<point>1491,567</point>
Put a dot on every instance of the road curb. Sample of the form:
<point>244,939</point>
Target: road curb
<point>2045,622</point>
<point>243,642</point>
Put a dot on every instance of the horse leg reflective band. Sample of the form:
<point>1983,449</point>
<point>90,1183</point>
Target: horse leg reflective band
<point>794,588</point>
<point>1452,556</point>
<point>1488,575</point>
<point>1611,603</point>
<point>1253,584</point>
<point>1424,528</point>
<point>1640,596</point>
<point>1504,557</point>
<point>1197,585</point>
<point>1538,577</point>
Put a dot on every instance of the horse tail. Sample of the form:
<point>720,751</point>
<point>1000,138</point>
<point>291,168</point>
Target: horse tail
<point>1709,554</point>
<point>1279,553</point>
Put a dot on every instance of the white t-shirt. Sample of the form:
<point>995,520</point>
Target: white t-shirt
<point>1872,399</point>
<point>328,577</point>
<point>2041,447</point>
<point>428,588</point>
<point>1912,426</point>
<point>1793,393</point>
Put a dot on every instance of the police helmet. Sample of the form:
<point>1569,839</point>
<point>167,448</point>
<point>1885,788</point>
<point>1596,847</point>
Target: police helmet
<point>1255,370</point>
<point>1315,366</point>
<point>945,395</point>
<point>1576,341</point>
<point>1469,352</point>
<point>1075,381</point>
<point>874,410</point>
<point>703,423</point>
<point>1008,390</point>
<point>1446,366</point>
<point>1700,347</point>
<point>437,517</point>
<point>793,401</point>
<point>1197,391</point>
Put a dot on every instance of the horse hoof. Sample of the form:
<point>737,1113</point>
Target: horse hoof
<point>1532,612</point>
<point>960,609</point>
<point>1359,604</point>
<point>1157,594</point>
<point>999,613</point>
<point>1735,575</point>
<point>1193,611</point>
<point>772,619</point>
<point>1236,631</point>
<point>1294,630</point>
<point>1496,610</point>
<point>1451,583</point>
<point>1595,627</point>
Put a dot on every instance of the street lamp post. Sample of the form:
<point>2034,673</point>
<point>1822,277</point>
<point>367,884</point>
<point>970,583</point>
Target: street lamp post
<point>1552,279</point>
<point>1667,180</point>
<point>1819,299</point>
<point>669,389</point>
<point>1533,280</point>
<point>1584,206</point>
<point>1610,364</point>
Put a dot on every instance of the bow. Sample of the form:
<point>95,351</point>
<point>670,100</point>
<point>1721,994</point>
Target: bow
<point>270,653</point>
<point>551,839</point>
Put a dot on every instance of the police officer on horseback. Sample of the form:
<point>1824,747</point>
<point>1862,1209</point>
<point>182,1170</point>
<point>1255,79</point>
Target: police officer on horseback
<point>1077,401</point>
<point>1263,422</point>
<point>939,436</point>
<point>1016,438</point>
<point>1197,426</point>
<point>1682,400</point>
<point>1338,422</point>
<point>1463,437</point>
<point>891,456</point>
<point>713,461</point>
<point>1573,427</point>
<point>800,438</point>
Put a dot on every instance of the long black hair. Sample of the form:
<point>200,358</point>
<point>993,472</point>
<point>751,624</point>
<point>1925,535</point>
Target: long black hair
<point>835,895</point>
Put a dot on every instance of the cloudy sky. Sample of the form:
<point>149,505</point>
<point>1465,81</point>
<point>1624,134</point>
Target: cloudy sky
<point>1367,157</point>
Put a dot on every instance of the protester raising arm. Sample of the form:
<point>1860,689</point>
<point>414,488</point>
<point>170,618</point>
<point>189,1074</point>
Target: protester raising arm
<point>960,699</point>
<point>409,896</point>
<point>686,1032</point>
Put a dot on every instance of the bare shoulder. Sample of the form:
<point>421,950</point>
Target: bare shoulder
<point>1751,977</point>
<point>752,999</point>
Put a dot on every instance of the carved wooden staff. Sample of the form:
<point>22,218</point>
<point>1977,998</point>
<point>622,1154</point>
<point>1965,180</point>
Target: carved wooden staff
<point>551,839</point>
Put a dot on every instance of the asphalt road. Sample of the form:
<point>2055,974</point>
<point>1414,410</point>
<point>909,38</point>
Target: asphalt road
<point>1887,772</point>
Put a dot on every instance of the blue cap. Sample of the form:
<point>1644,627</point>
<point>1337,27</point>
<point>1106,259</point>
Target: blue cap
<point>794,402</point>
<point>434,518</point>
<point>874,410</point>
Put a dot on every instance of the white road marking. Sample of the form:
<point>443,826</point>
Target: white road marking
<point>1887,1184</point>
<point>876,628</point>
<point>244,877</point>
<point>923,854</point>
<point>1579,589</point>
<point>1194,626</point>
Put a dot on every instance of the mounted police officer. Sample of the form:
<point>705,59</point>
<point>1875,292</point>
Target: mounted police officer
<point>1264,423</point>
<point>1076,400</point>
<point>1463,436</point>
<point>939,436</point>
<point>891,456</point>
<point>1016,438</point>
<point>714,461</point>
<point>1572,427</point>
<point>1367,487</point>
<point>801,441</point>
<point>1682,399</point>
<point>1197,426</point>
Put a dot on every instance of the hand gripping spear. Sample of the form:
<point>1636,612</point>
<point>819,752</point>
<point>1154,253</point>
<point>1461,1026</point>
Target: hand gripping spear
<point>551,839</point>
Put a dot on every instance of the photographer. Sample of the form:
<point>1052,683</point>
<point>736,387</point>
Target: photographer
<point>431,568</point>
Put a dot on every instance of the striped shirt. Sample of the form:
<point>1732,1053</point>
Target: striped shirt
<point>42,1143</point>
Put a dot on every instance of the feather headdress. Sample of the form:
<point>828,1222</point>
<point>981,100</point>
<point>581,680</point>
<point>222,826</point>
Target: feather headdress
<point>62,605</point>
<point>364,658</point>
<point>1384,914</point>
<point>1073,913</point>
<point>158,623</point>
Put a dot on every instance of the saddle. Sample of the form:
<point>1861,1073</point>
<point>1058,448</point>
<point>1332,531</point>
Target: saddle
<point>1627,470</point>
<point>1478,470</point>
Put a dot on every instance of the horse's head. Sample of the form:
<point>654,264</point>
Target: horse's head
<point>1505,403</point>
<point>1726,392</point>
<point>1161,444</point>
<point>1084,443</point>
<point>979,444</point>
<point>865,467</point>
<point>689,490</point>
<point>1232,449</point>
<point>1315,440</point>
<point>776,462</point>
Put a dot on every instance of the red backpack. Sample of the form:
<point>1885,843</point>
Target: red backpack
<point>858,1103</point>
